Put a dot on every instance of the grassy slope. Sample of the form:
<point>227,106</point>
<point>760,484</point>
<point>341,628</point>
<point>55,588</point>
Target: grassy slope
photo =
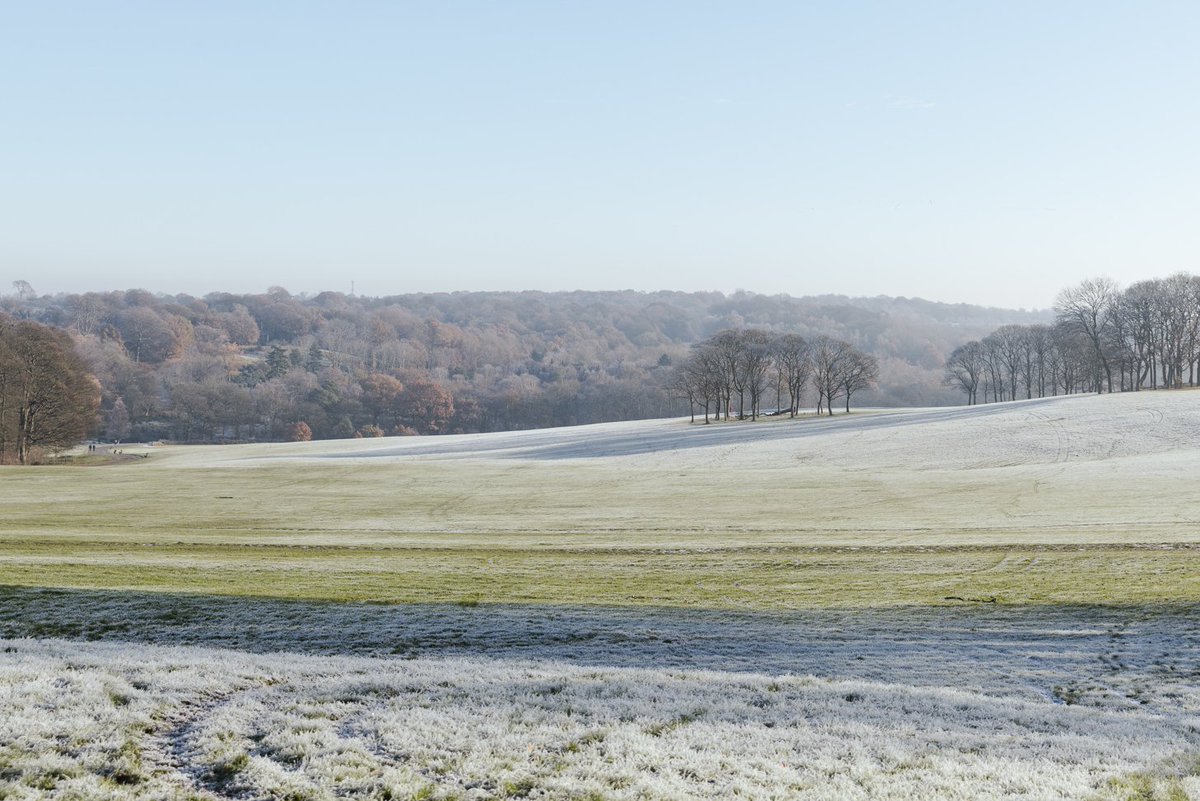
<point>976,507</point>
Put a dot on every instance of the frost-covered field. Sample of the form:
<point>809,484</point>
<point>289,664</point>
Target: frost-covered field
<point>1039,431</point>
<point>125,721</point>
<point>1137,652</point>
<point>996,602</point>
<point>1116,468</point>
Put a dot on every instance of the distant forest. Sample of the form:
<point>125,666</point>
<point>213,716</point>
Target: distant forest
<point>276,366</point>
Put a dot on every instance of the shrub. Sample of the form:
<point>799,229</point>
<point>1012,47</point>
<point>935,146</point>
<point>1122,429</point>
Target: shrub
<point>299,432</point>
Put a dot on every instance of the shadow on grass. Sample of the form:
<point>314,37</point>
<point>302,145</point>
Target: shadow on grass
<point>584,443</point>
<point>970,646</point>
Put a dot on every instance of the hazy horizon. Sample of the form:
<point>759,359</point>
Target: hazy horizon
<point>983,155</point>
<point>306,293</point>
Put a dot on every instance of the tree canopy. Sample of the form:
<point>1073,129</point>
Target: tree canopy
<point>48,400</point>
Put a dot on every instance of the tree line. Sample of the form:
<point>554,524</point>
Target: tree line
<point>747,364</point>
<point>1102,339</point>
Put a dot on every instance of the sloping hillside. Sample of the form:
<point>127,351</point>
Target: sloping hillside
<point>1040,431</point>
<point>1102,468</point>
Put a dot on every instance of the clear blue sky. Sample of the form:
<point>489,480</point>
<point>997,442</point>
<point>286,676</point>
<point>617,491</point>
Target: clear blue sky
<point>959,151</point>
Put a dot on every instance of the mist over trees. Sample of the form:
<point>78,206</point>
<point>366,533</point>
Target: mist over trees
<point>229,367</point>
<point>1103,339</point>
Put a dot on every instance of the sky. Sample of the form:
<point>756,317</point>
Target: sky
<point>989,153</point>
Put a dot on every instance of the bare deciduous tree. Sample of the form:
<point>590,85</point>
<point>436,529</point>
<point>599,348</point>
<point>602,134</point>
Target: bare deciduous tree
<point>1088,309</point>
<point>828,362</point>
<point>728,347</point>
<point>859,371</point>
<point>966,368</point>
<point>794,363</point>
<point>1007,345</point>
<point>755,366</point>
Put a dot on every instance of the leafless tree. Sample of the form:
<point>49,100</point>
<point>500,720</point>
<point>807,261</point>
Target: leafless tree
<point>727,348</point>
<point>859,371</point>
<point>755,366</point>
<point>1040,343</point>
<point>700,379</point>
<point>1007,344</point>
<point>147,335</point>
<point>1178,318</point>
<point>829,357</point>
<point>966,369</point>
<point>1074,360</point>
<point>116,422</point>
<point>1088,309</point>
<point>681,384</point>
<point>1138,312</point>
<point>794,363</point>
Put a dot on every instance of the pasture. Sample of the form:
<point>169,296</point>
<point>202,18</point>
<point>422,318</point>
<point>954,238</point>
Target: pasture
<point>988,602</point>
<point>1077,500</point>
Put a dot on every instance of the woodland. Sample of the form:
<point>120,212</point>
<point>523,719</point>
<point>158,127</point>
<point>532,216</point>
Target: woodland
<point>274,366</point>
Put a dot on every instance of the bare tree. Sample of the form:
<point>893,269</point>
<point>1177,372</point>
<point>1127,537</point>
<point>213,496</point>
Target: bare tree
<point>858,371</point>
<point>966,368</point>
<point>1088,309</point>
<point>1138,311</point>
<point>727,348</point>
<point>1191,291</point>
<point>1040,344</point>
<point>828,361</point>
<point>755,366</point>
<point>683,384</point>
<point>1008,346</point>
<point>993,378</point>
<point>700,379</point>
<point>85,313</point>
<point>794,362</point>
<point>116,422</point>
<point>711,378</point>
<point>1073,351</point>
<point>1178,318</point>
<point>147,335</point>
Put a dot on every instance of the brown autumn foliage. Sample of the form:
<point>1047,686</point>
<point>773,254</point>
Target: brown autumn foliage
<point>299,432</point>
<point>229,367</point>
<point>48,400</point>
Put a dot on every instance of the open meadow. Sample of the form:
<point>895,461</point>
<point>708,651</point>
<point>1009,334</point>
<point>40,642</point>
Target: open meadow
<point>999,601</point>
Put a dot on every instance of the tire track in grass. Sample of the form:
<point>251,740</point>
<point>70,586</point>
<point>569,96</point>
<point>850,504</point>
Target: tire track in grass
<point>1062,439</point>
<point>266,719</point>
<point>167,750</point>
<point>1156,415</point>
<point>225,779</point>
<point>353,729</point>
